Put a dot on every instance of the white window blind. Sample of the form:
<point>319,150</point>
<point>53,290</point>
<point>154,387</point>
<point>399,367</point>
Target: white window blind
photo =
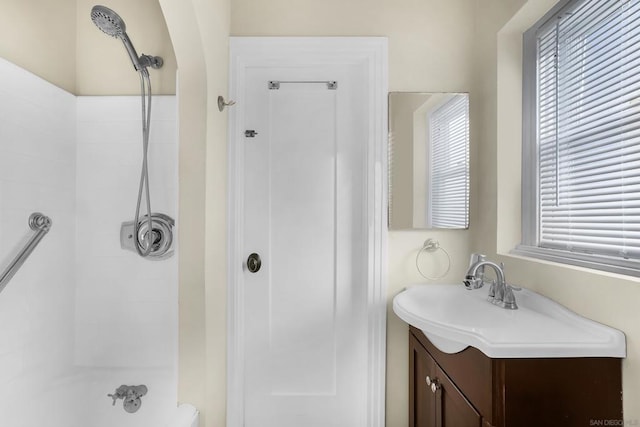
<point>448,205</point>
<point>588,129</point>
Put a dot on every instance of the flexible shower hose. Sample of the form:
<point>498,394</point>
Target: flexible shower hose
<point>144,247</point>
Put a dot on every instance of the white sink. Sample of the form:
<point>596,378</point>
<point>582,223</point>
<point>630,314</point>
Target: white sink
<point>454,318</point>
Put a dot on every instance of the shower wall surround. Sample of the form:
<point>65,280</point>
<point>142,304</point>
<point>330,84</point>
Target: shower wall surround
<point>130,300</point>
<point>37,163</point>
<point>83,316</point>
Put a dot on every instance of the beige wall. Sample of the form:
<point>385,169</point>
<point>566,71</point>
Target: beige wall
<point>430,50</point>
<point>214,19</point>
<point>607,298</point>
<point>58,42</point>
<point>103,66</point>
<point>199,31</point>
<point>39,35</point>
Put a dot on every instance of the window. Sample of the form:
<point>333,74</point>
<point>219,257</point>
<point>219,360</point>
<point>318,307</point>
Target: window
<point>448,186</point>
<point>581,154</point>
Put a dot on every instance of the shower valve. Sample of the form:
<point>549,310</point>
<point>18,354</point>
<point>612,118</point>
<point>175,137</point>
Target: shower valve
<point>160,237</point>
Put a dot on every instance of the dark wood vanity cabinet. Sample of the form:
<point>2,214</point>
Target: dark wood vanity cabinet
<point>435,401</point>
<point>469,389</point>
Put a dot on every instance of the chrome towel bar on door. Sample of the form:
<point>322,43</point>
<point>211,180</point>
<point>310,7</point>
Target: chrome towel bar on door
<point>39,223</point>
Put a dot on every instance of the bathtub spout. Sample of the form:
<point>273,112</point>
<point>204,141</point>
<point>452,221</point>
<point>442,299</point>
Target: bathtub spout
<point>131,396</point>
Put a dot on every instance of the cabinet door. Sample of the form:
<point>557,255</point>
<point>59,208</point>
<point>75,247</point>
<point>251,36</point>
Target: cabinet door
<point>452,408</point>
<point>422,409</point>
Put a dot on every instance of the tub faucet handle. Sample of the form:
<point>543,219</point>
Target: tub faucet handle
<point>120,393</point>
<point>114,397</point>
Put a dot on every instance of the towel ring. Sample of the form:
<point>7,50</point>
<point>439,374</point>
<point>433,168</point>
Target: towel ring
<point>431,245</point>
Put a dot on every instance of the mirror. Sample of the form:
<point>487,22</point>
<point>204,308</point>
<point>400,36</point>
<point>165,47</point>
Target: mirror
<point>428,160</point>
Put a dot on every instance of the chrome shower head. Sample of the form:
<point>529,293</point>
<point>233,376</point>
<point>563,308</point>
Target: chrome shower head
<point>111,24</point>
<point>108,21</point>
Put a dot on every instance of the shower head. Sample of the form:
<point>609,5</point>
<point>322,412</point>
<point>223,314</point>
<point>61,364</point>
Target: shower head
<point>108,21</point>
<point>111,24</point>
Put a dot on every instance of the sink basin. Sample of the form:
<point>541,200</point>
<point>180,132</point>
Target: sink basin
<point>454,318</point>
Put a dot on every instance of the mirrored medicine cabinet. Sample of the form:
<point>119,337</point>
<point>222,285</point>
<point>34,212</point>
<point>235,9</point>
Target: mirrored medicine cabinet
<point>428,160</point>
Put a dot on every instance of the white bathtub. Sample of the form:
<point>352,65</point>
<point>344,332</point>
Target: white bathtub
<point>83,317</point>
<point>185,416</point>
<point>80,400</point>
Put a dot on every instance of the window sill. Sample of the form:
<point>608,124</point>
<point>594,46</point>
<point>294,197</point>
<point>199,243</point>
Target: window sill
<point>600,264</point>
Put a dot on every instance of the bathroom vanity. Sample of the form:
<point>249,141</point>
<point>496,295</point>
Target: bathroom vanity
<point>475,363</point>
<point>469,388</point>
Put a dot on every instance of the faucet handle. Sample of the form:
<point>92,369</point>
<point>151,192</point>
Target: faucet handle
<point>515,288</point>
<point>114,397</point>
<point>509,300</point>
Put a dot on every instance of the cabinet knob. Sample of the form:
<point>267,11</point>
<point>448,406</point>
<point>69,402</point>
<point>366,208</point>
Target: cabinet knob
<point>432,383</point>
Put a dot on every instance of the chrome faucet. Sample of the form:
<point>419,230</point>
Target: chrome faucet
<point>500,293</point>
<point>131,396</point>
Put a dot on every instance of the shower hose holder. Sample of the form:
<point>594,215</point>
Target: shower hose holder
<point>155,62</point>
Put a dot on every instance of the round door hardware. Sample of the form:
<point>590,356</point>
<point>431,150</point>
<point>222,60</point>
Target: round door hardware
<point>428,380</point>
<point>435,386</point>
<point>254,263</point>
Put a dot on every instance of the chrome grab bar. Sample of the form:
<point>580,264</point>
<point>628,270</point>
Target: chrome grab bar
<point>39,223</point>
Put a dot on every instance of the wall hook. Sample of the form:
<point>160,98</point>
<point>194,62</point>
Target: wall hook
<point>222,103</point>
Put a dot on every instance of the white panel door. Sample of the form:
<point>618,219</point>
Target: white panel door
<point>304,213</point>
